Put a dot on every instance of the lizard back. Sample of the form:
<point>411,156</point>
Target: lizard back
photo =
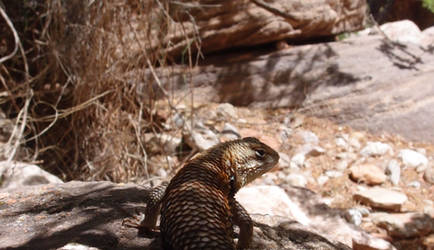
<point>198,204</point>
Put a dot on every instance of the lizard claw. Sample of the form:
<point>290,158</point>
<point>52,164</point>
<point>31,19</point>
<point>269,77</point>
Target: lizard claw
<point>143,230</point>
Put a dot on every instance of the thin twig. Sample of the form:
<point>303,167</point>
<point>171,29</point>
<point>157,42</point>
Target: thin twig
<point>16,37</point>
<point>17,135</point>
<point>66,112</point>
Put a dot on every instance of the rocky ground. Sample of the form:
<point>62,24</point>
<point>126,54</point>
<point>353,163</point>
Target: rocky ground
<point>333,181</point>
<point>382,183</point>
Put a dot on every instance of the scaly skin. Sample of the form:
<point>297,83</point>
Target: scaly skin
<point>198,208</point>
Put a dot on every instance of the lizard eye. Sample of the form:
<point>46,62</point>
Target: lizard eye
<point>260,153</point>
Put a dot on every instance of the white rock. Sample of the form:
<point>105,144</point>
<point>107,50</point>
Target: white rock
<point>376,149</point>
<point>403,31</point>
<point>354,216</point>
<point>342,165</point>
<point>411,158</point>
<point>270,200</point>
<point>341,143</point>
<point>297,161</point>
<point>284,161</point>
<point>18,174</point>
<point>322,179</point>
<point>297,180</point>
<point>333,173</point>
<point>414,184</point>
<point>308,137</point>
<point>178,120</point>
<point>354,143</point>
<point>76,246</point>
<point>311,150</point>
<point>394,171</point>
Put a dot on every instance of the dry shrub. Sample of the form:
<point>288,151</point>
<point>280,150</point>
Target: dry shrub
<point>90,91</point>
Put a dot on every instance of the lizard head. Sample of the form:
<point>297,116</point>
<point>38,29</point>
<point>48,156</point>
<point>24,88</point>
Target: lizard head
<point>248,158</point>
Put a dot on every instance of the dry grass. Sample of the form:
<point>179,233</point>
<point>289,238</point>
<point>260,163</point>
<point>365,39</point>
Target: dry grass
<point>82,84</point>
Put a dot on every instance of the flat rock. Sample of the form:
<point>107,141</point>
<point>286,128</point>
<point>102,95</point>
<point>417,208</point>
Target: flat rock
<point>367,173</point>
<point>91,214</point>
<point>382,198</point>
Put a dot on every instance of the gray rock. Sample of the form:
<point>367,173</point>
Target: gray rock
<point>412,158</point>
<point>376,149</point>
<point>19,174</point>
<point>394,171</point>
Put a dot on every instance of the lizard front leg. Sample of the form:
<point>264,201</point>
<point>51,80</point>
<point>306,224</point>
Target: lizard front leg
<point>242,219</point>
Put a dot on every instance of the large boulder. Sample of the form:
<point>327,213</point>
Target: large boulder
<point>219,25</point>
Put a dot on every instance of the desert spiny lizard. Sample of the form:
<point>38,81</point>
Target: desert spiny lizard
<point>198,208</point>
